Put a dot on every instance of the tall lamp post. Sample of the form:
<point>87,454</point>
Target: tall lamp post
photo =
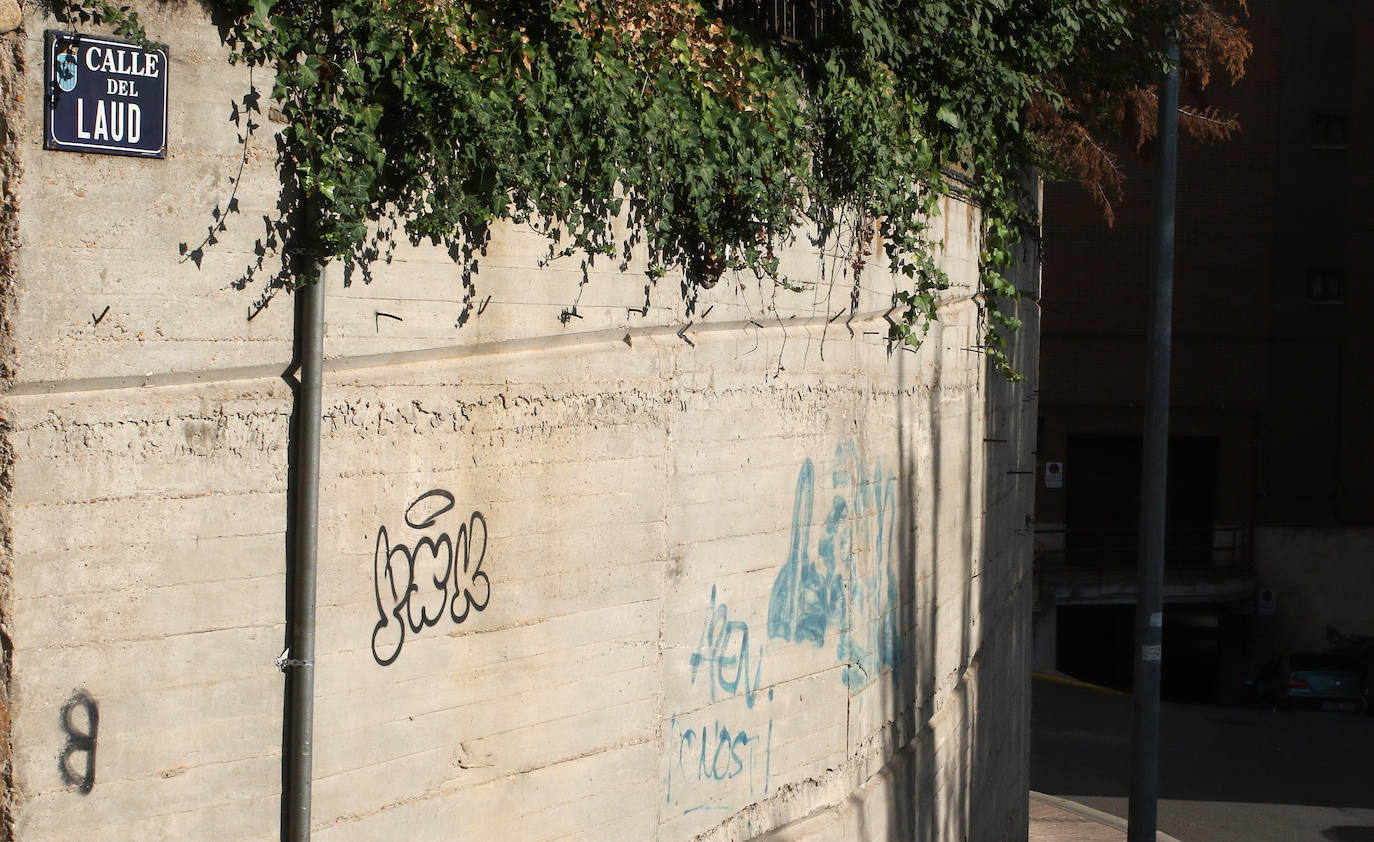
<point>1149,635</point>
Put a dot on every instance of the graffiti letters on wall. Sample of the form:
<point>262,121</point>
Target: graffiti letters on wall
<point>724,653</point>
<point>713,756</point>
<point>426,576</point>
<point>715,759</point>
<point>845,581</point>
<point>80,720</point>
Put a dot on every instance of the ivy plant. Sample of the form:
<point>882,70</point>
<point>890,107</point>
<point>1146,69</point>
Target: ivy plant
<point>706,131</point>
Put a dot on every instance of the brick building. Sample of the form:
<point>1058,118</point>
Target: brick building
<point>1271,487</point>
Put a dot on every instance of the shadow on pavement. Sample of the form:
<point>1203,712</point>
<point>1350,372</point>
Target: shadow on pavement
<point>1080,746</point>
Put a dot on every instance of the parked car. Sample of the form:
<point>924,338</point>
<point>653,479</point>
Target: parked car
<point>1311,681</point>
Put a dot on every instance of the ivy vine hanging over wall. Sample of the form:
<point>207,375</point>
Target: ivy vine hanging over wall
<point>709,132</point>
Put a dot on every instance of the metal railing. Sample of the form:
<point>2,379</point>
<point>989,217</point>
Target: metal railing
<point>1080,548</point>
<point>795,21</point>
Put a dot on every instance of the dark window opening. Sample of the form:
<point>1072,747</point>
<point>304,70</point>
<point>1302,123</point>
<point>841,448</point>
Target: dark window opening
<point>1102,478</point>
<point>1329,131</point>
<point>1325,284</point>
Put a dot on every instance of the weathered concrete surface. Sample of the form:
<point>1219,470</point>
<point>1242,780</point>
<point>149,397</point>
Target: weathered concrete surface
<point>577,581</point>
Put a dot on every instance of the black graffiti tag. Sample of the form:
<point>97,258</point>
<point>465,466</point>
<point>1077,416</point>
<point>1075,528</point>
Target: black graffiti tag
<point>418,584</point>
<point>79,741</point>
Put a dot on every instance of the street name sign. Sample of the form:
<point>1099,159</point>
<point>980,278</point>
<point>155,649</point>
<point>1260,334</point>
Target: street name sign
<point>104,96</point>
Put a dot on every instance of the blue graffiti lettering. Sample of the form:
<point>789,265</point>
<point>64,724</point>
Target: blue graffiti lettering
<point>851,583</point>
<point>713,754</point>
<point>724,651</point>
<point>710,764</point>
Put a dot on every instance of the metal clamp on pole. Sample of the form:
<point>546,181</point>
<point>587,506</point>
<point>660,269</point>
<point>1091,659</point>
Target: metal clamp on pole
<point>285,660</point>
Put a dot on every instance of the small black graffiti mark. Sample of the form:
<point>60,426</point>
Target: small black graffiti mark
<point>448,566</point>
<point>98,319</point>
<point>79,741</point>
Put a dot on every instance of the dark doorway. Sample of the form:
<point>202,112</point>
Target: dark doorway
<point>1093,643</point>
<point>1192,654</point>
<point>1203,649</point>
<point>1102,480</point>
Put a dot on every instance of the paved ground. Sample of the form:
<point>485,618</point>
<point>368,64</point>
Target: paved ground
<point>1226,775</point>
<point>1056,820</point>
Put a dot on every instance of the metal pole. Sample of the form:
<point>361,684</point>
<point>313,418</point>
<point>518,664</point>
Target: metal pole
<point>1144,800</point>
<point>305,524</point>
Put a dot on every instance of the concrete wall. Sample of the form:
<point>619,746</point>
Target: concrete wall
<point>1321,578</point>
<point>577,581</point>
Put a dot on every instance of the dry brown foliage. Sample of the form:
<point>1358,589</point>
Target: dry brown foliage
<point>1077,136</point>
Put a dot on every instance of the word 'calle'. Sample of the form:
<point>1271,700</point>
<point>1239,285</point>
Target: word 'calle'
<point>418,585</point>
<point>122,62</point>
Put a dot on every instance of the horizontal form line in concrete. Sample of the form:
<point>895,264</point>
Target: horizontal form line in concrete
<point>446,352</point>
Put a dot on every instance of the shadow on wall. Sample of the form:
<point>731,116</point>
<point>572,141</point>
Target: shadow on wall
<point>909,699</point>
<point>1000,767</point>
<point>976,788</point>
<point>910,799</point>
<point>906,695</point>
<point>852,582</point>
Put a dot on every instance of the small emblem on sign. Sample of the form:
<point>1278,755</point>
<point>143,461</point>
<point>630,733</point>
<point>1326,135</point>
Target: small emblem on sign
<point>66,70</point>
